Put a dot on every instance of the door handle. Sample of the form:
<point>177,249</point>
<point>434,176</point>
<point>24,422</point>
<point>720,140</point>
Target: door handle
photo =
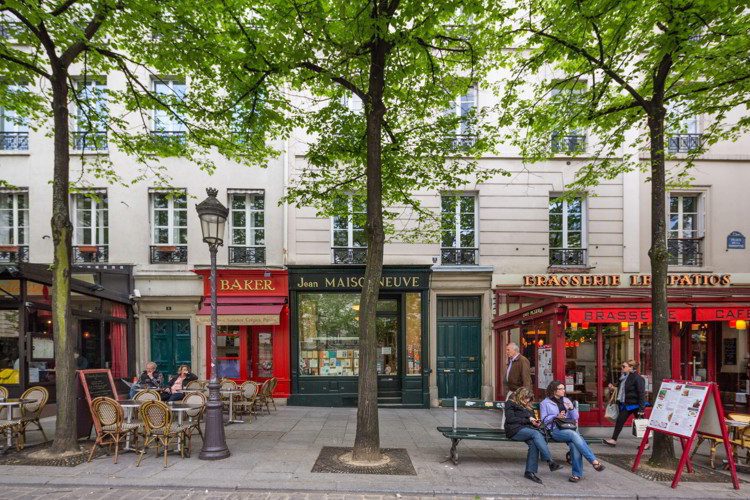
<point>446,370</point>
<point>469,371</point>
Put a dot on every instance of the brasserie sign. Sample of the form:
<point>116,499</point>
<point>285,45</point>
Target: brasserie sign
<point>616,280</point>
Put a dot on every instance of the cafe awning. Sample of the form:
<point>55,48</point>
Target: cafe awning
<point>244,310</point>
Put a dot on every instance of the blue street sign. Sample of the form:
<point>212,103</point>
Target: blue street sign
<point>735,241</point>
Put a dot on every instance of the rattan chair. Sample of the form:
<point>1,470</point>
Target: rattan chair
<point>159,430</point>
<point>112,428</point>
<point>194,384</point>
<point>262,398</point>
<point>195,417</point>
<point>228,385</point>
<point>741,436</point>
<point>271,388</point>
<point>249,396</point>
<point>31,412</point>
<point>3,395</point>
<point>147,395</point>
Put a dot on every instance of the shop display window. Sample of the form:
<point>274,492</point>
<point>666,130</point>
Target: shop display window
<point>265,355</point>
<point>580,363</point>
<point>645,345</point>
<point>534,336</point>
<point>329,334</point>
<point>9,353</point>
<point>413,334</point>
<point>228,352</point>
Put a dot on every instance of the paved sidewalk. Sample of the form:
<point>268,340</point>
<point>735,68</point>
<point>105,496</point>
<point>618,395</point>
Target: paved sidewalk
<point>277,452</point>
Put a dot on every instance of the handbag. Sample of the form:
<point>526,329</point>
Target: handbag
<point>639,427</point>
<point>613,408</point>
<point>566,423</point>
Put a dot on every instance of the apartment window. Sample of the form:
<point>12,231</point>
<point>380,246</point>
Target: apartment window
<point>684,134</point>
<point>564,96</point>
<point>167,124</point>
<point>14,226</point>
<point>247,227</point>
<point>567,241</point>
<point>91,116</point>
<point>458,230</point>
<point>353,103</point>
<point>169,227</point>
<point>14,129</point>
<point>685,238</point>
<point>348,240</point>
<point>463,107</point>
<point>91,226</point>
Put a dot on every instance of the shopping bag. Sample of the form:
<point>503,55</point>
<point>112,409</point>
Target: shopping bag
<point>613,408</point>
<point>639,427</point>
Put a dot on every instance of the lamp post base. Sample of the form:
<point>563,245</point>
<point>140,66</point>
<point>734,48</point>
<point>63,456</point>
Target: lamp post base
<point>214,442</point>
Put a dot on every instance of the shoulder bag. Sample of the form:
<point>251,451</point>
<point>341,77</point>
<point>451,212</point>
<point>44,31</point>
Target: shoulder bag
<point>613,408</point>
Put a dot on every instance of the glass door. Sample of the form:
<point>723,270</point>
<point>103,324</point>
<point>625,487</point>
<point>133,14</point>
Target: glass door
<point>388,360</point>
<point>695,352</point>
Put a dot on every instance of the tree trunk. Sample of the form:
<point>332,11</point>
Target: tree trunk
<point>66,438</point>
<point>367,439</point>
<point>663,452</point>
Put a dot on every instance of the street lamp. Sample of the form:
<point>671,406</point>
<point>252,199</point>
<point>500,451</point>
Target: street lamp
<point>213,217</point>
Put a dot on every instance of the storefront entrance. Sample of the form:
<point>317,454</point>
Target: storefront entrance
<point>244,352</point>
<point>459,347</point>
<point>170,344</point>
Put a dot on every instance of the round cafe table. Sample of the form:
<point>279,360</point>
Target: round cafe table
<point>231,393</point>
<point>129,405</point>
<point>10,404</point>
<point>180,409</point>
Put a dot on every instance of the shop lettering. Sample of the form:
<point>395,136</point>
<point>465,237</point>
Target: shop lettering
<point>572,280</point>
<point>614,280</point>
<point>722,313</point>
<point>306,284</point>
<point>245,285</point>
<point>532,312</point>
<point>359,281</point>
<point>685,280</point>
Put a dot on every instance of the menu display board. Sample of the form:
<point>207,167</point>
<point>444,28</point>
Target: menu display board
<point>677,407</point>
<point>544,362</point>
<point>92,384</point>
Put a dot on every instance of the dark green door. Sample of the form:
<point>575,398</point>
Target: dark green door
<point>459,347</point>
<point>170,344</point>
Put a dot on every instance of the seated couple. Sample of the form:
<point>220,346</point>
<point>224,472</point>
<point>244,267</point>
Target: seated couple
<point>151,378</point>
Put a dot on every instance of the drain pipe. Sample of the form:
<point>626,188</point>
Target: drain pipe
<point>285,215</point>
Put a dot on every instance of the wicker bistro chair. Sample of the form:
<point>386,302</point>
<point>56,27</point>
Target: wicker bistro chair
<point>194,384</point>
<point>112,428</point>
<point>147,395</point>
<point>31,412</point>
<point>741,437</point>
<point>228,385</point>
<point>14,427</point>
<point>195,417</point>
<point>159,430</point>
<point>3,395</point>
<point>271,388</point>
<point>249,395</point>
<point>263,396</point>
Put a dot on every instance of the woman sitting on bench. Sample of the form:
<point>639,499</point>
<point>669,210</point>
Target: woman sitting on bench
<point>522,425</point>
<point>561,418</point>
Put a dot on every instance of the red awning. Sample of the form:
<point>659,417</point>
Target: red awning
<point>622,314</point>
<point>244,310</point>
<point>722,313</point>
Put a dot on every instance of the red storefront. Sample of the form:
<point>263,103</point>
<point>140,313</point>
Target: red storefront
<point>580,336</point>
<point>253,318</point>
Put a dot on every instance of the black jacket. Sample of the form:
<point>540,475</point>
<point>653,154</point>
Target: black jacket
<point>516,418</point>
<point>635,391</point>
<point>188,378</point>
<point>146,382</point>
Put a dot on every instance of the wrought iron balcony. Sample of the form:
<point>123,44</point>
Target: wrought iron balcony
<point>450,256</point>
<point>685,251</point>
<point>567,257</point>
<point>169,254</point>
<point>464,140</point>
<point>176,136</point>
<point>684,143</point>
<point>90,253</point>
<point>14,253</point>
<point>14,141</point>
<point>90,141</point>
<point>348,255</point>
<point>247,255</point>
<point>568,143</point>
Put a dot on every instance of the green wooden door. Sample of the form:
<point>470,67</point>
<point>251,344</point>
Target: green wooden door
<point>459,346</point>
<point>170,344</point>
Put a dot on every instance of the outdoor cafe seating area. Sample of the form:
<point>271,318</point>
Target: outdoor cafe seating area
<point>141,424</point>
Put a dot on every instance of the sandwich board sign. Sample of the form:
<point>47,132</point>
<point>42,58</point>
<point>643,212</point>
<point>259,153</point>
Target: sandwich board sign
<point>683,410</point>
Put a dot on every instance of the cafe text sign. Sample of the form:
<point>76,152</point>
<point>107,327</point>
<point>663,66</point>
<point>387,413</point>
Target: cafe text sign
<point>624,314</point>
<point>615,280</point>
<point>722,313</point>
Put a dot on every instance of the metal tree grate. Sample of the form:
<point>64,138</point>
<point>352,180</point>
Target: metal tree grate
<point>700,475</point>
<point>399,463</point>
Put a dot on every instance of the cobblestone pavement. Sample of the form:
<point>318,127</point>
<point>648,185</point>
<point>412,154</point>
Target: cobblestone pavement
<point>276,453</point>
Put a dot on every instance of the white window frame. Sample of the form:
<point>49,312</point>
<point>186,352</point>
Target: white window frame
<point>457,220</point>
<point>170,218</point>
<point>353,103</point>
<point>699,231</point>
<point>174,125</point>
<point>350,224</point>
<point>99,233</point>
<point>463,128</point>
<point>248,228</point>
<point>584,220</point>
<point>15,227</point>
<point>93,88</point>
<point>16,124</point>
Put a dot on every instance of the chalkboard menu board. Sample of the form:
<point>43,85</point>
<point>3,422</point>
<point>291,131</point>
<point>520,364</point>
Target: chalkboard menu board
<point>95,383</point>
<point>730,352</point>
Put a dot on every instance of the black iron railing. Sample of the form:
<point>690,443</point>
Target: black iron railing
<point>348,255</point>
<point>90,141</point>
<point>169,254</point>
<point>684,143</point>
<point>567,257</point>
<point>90,253</point>
<point>450,256</point>
<point>685,251</point>
<point>568,143</point>
<point>14,141</point>
<point>247,255</point>
<point>14,253</point>
<point>464,140</point>
<point>177,136</point>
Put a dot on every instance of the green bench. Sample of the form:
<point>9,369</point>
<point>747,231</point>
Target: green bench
<point>456,434</point>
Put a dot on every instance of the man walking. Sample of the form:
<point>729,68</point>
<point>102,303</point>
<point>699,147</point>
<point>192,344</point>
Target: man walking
<point>518,373</point>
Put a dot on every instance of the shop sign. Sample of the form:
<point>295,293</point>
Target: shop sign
<point>343,282</point>
<point>532,312</point>
<point>630,315</point>
<point>722,313</point>
<point>735,241</point>
<point>232,282</point>
<point>615,280</point>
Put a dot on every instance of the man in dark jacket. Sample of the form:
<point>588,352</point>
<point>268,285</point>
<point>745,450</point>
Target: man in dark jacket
<point>518,373</point>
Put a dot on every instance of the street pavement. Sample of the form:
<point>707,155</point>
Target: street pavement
<point>272,457</point>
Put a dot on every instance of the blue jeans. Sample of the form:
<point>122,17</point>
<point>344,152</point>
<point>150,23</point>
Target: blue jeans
<point>578,448</point>
<point>177,396</point>
<point>537,446</point>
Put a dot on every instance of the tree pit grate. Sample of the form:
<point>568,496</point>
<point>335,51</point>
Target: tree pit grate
<point>700,473</point>
<point>398,464</point>
<point>23,457</point>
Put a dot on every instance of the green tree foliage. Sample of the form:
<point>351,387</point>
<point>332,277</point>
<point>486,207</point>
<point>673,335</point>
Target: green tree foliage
<point>628,74</point>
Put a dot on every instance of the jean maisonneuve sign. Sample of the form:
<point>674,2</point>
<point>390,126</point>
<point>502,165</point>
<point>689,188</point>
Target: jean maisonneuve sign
<point>735,241</point>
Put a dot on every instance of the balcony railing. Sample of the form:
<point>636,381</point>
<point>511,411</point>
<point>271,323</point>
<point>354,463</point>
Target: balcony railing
<point>176,136</point>
<point>90,253</point>
<point>458,256</point>
<point>685,251</point>
<point>14,253</point>
<point>14,141</point>
<point>567,257</point>
<point>247,255</point>
<point>90,141</point>
<point>169,254</point>
<point>684,143</point>
<point>464,140</point>
<point>569,143</point>
<point>348,255</point>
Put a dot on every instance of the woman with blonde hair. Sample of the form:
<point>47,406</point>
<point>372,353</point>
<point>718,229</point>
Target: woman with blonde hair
<point>522,425</point>
<point>631,396</point>
<point>177,383</point>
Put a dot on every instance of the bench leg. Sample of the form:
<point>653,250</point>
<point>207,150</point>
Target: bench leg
<point>454,451</point>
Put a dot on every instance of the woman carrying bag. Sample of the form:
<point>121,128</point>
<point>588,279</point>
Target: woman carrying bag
<point>560,417</point>
<point>631,398</point>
